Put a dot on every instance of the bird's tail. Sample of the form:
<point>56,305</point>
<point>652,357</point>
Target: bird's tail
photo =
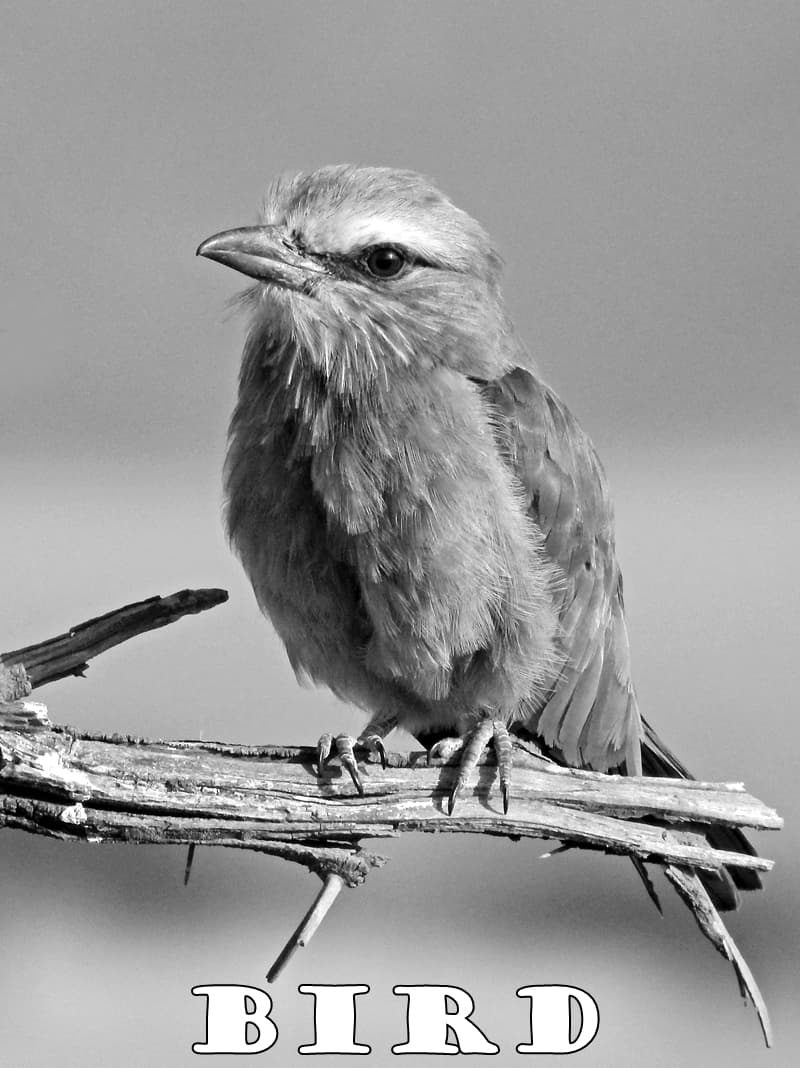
<point>722,887</point>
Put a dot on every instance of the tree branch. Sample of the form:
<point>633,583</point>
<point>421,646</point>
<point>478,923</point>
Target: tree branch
<point>61,782</point>
<point>209,793</point>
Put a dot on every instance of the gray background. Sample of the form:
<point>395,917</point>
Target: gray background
<point>637,164</point>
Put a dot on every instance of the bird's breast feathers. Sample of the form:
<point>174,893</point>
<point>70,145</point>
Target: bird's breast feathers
<point>407,531</point>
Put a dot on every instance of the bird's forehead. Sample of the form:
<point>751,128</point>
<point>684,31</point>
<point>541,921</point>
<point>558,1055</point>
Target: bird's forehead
<point>342,210</point>
<point>347,230</point>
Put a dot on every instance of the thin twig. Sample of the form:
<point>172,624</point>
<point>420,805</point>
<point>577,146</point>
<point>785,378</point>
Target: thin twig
<point>304,932</point>
<point>187,871</point>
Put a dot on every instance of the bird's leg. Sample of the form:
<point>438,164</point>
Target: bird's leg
<point>343,746</point>
<point>473,744</point>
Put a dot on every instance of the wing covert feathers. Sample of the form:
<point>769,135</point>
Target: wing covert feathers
<point>591,715</point>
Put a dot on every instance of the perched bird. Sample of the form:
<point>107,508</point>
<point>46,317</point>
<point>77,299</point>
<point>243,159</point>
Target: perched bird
<point>423,520</point>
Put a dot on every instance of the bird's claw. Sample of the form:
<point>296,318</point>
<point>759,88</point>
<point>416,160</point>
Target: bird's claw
<point>374,743</point>
<point>444,749</point>
<point>343,746</point>
<point>347,758</point>
<point>324,746</point>
<point>504,754</point>
<point>473,745</point>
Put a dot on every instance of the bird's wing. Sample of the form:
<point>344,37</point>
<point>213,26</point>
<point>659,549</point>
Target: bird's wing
<point>591,715</point>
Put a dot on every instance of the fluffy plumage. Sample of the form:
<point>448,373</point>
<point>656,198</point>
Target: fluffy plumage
<point>422,519</point>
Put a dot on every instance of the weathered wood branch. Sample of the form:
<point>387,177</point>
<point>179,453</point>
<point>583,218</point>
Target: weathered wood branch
<point>69,784</point>
<point>62,782</point>
<point>58,781</point>
<point>69,653</point>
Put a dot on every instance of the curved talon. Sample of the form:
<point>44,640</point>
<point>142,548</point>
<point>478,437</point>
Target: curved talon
<point>343,746</point>
<point>344,751</point>
<point>501,740</point>
<point>382,753</point>
<point>474,743</point>
<point>324,746</point>
<point>374,743</point>
<point>445,748</point>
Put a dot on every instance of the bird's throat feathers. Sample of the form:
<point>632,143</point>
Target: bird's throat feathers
<point>323,363</point>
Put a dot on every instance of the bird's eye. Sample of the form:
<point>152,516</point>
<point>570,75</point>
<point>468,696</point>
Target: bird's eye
<point>385,261</point>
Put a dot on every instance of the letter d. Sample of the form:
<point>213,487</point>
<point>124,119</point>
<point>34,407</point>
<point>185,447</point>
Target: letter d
<point>550,1019</point>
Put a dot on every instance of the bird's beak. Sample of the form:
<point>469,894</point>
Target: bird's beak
<point>261,252</point>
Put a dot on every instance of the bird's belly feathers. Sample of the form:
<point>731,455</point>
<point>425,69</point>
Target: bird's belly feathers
<point>400,560</point>
<point>278,530</point>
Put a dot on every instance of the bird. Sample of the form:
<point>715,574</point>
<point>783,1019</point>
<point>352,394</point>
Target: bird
<point>423,520</point>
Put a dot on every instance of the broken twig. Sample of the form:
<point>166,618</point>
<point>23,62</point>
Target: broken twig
<point>304,932</point>
<point>69,653</point>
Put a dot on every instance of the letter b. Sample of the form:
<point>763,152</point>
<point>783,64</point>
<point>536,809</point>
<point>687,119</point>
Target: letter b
<point>229,1020</point>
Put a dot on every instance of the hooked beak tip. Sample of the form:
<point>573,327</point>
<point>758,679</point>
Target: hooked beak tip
<point>214,244</point>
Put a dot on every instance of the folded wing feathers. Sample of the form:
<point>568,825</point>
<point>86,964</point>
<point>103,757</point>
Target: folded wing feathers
<point>591,714</point>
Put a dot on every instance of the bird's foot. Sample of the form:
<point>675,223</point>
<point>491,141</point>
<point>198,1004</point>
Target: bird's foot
<point>343,746</point>
<point>472,745</point>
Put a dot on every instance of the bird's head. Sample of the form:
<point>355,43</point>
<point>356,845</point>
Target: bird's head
<point>368,269</point>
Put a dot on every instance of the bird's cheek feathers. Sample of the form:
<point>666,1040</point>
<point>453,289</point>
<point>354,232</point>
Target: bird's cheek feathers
<point>341,327</point>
